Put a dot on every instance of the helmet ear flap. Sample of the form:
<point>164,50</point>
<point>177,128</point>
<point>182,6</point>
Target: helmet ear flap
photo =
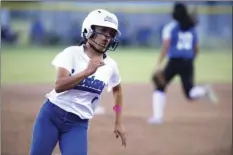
<point>84,33</point>
<point>87,34</point>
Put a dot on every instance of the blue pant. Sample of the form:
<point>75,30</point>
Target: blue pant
<point>53,124</point>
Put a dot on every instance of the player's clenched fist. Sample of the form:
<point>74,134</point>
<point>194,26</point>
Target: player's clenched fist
<point>93,65</point>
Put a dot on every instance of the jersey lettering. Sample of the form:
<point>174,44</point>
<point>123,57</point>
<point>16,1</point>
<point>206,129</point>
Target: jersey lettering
<point>185,40</point>
<point>91,85</point>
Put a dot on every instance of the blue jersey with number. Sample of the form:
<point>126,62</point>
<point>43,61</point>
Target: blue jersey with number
<point>182,43</point>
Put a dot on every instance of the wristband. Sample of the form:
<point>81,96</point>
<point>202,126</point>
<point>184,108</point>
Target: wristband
<point>117,108</point>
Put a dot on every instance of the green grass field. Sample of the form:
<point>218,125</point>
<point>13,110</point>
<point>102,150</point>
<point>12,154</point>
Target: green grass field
<point>33,65</point>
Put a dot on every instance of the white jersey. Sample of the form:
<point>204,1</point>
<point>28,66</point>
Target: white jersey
<point>85,96</point>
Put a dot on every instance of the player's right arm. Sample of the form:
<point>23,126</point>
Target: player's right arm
<point>166,35</point>
<point>65,82</point>
<point>64,62</point>
<point>163,53</point>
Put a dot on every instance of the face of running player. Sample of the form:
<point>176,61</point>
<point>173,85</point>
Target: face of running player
<point>102,38</point>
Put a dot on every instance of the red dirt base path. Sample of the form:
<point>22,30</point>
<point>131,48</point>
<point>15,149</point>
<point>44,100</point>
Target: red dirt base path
<point>190,128</point>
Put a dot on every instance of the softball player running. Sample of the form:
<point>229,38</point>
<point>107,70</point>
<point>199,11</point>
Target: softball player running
<point>180,44</point>
<point>82,74</point>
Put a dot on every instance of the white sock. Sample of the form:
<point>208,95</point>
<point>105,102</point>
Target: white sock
<point>197,92</point>
<point>159,99</point>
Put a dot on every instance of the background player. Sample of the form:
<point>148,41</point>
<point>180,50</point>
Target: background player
<point>180,44</point>
<point>82,74</point>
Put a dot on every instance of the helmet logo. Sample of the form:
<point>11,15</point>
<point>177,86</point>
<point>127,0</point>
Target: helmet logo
<point>110,19</point>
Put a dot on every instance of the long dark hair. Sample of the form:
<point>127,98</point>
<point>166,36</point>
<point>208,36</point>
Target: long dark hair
<point>82,41</point>
<point>181,15</point>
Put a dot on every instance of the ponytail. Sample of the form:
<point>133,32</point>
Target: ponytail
<point>82,41</point>
<point>181,15</point>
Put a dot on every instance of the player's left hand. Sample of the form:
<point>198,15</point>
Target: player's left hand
<point>119,131</point>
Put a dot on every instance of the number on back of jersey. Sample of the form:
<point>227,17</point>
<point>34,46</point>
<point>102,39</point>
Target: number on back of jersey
<point>185,40</point>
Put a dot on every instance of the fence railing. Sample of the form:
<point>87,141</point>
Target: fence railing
<point>140,23</point>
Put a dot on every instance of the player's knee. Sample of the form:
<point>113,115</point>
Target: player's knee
<point>158,82</point>
<point>159,86</point>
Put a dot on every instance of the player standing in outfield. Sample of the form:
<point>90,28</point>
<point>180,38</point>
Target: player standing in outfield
<point>180,44</point>
<point>82,74</point>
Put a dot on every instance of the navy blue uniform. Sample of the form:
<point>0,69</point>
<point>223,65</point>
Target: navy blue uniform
<point>180,54</point>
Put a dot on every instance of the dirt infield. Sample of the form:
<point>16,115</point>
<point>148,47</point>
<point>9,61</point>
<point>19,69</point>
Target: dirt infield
<point>196,128</point>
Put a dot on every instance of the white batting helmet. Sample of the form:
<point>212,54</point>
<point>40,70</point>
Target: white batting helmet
<point>99,17</point>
